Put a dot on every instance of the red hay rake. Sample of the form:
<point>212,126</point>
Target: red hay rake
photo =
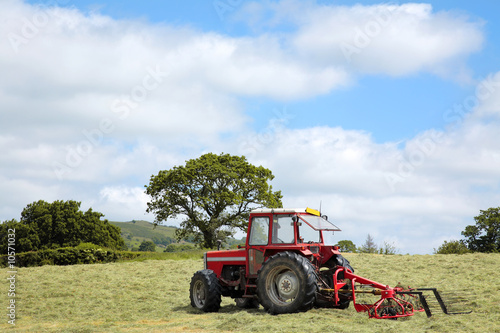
<point>394,302</point>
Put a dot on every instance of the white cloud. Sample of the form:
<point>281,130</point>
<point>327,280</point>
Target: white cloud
<point>385,38</point>
<point>124,201</point>
<point>92,107</point>
<point>416,196</point>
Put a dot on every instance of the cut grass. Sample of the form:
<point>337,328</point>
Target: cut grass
<point>153,296</point>
<point>184,255</point>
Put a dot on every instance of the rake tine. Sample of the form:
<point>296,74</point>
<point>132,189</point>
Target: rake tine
<point>421,298</point>
<point>442,304</point>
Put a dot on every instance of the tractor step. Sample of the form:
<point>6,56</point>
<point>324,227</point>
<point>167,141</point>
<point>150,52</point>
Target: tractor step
<point>249,286</point>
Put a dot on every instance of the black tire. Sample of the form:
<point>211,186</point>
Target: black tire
<point>325,302</point>
<point>335,262</point>
<point>247,303</point>
<point>287,283</point>
<point>205,291</point>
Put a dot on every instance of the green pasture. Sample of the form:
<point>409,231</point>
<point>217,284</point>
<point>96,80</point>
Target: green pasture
<point>153,296</point>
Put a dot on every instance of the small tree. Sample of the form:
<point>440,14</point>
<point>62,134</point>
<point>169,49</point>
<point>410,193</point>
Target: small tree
<point>346,246</point>
<point>147,246</point>
<point>388,249</point>
<point>452,247</point>
<point>369,246</point>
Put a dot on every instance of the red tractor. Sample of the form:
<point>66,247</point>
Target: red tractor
<point>290,264</point>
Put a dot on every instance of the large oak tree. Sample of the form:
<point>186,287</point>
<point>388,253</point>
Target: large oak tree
<point>214,194</point>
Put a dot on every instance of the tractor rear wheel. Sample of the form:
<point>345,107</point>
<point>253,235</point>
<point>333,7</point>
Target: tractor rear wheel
<point>287,283</point>
<point>205,291</point>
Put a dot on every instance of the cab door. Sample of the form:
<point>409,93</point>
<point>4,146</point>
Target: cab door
<point>257,241</point>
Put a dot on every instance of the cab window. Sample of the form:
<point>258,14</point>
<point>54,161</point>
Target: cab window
<point>283,230</point>
<point>308,234</point>
<point>259,233</point>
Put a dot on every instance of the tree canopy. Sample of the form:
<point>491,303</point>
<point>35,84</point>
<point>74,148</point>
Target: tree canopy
<point>484,236</point>
<point>214,193</point>
<point>346,246</point>
<point>147,246</point>
<point>452,247</point>
<point>59,224</point>
<point>369,246</point>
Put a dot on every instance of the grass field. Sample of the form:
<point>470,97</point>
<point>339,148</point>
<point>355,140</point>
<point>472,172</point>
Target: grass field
<point>153,296</point>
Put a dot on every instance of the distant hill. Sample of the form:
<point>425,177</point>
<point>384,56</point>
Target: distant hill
<point>135,232</point>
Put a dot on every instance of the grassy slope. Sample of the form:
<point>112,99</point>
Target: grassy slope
<point>153,296</point>
<point>142,230</point>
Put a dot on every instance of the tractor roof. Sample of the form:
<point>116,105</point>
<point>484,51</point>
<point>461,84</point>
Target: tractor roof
<point>286,210</point>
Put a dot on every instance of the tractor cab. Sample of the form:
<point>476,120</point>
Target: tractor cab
<point>289,226</point>
<point>302,230</point>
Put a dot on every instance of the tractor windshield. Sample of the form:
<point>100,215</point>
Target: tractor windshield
<point>318,223</point>
<point>314,226</point>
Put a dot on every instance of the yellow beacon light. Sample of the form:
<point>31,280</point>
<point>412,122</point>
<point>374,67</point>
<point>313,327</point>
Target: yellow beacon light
<point>313,211</point>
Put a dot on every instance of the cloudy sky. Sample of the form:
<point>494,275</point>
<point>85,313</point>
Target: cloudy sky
<point>386,113</point>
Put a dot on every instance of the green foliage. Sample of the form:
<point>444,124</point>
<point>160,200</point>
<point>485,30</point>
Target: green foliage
<point>346,246</point>
<point>179,247</point>
<point>88,246</point>
<point>64,256</point>
<point>369,246</point>
<point>161,240</point>
<point>136,231</point>
<point>452,247</point>
<point>485,235</point>
<point>214,193</point>
<point>147,246</point>
<point>388,249</point>
<point>144,229</point>
<point>233,243</point>
<point>46,225</point>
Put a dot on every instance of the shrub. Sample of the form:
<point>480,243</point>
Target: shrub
<point>147,246</point>
<point>83,254</point>
<point>452,247</point>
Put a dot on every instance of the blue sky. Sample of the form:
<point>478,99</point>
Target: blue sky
<point>389,111</point>
<point>387,107</point>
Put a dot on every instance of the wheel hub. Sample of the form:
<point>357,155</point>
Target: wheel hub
<point>199,294</point>
<point>287,285</point>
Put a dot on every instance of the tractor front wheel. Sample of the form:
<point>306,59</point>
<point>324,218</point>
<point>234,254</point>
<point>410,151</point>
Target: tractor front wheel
<point>287,283</point>
<point>205,291</point>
